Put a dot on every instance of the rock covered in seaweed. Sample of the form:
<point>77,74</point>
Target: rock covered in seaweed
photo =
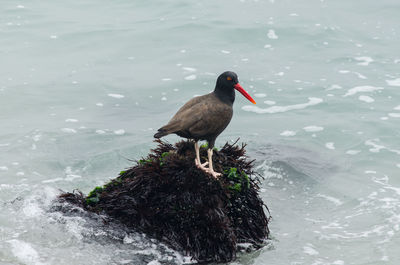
<point>167,197</point>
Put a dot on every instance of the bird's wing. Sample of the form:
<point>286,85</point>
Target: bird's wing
<point>200,117</point>
<point>191,103</point>
<point>212,119</point>
<point>186,115</point>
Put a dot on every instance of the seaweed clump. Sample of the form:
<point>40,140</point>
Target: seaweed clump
<point>166,196</point>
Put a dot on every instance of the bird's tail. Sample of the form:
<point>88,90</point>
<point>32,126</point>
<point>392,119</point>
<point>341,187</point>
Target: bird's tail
<point>161,132</point>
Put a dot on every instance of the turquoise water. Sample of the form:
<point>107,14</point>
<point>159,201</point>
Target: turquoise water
<point>85,84</point>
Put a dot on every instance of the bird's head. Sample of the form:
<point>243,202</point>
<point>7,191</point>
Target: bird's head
<point>228,81</point>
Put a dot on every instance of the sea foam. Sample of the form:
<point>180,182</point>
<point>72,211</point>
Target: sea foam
<point>119,96</point>
<point>313,128</point>
<point>394,82</point>
<point>359,89</point>
<point>277,109</point>
<point>24,252</point>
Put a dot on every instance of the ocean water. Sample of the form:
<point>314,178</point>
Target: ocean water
<point>85,84</point>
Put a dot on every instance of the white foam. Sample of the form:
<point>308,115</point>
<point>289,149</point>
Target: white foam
<point>353,152</point>
<point>288,133</point>
<point>225,51</point>
<point>71,177</point>
<point>394,82</point>
<point>52,180</point>
<point>397,107</point>
<point>366,99</point>
<point>24,252</point>
<point>68,130</point>
<point>119,132</point>
<point>364,60</point>
<point>166,79</point>
<point>394,115</point>
<point>331,199</point>
<point>334,86</point>
<point>100,131</point>
<point>272,35</point>
<point>375,147</point>
<point>68,170</point>
<point>190,77</point>
<point>278,109</point>
<point>313,128</point>
<point>310,250</point>
<point>6,187</point>
<point>359,89</point>
<point>119,96</point>
<point>330,145</point>
<point>36,138</point>
<point>31,208</point>
<point>338,262</point>
<point>163,98</point>
<point>99,104</point>
<point>3,168</point>
<point>360,75</point>
<point>260,95</point>
<point>71,120</point>
<point>270,102</point>
<point>189,69</point>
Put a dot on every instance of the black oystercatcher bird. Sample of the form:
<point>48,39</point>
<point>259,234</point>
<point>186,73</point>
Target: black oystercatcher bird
<point>205,117</point>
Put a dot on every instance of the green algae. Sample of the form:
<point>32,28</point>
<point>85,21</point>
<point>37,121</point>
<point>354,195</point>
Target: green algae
<point>94,195</point>
<point>238,180</point>
<point>162,158</point>
<point>205,146</point>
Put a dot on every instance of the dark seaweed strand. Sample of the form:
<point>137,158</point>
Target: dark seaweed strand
<point>166,196</point>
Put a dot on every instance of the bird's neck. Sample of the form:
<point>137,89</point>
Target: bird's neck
<point>225,95</point>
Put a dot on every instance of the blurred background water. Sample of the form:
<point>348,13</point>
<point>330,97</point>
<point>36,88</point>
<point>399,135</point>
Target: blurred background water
<point>85,84</point>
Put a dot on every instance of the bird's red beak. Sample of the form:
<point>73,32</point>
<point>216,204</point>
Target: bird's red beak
<point>239,88</point>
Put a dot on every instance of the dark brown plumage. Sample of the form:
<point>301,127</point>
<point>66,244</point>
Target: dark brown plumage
<point>205,117</point>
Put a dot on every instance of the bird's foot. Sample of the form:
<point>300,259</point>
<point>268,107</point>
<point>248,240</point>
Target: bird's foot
<point>206,169</point>
<point>204,164</point>
<point>200,165</point>
<point>213,173</point>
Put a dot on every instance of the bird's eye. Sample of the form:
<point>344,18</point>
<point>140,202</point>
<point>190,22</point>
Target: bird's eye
<point>229,78</point>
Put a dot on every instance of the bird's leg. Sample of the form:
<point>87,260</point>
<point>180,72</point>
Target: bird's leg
<point>210,164</point>
<point>197,160</point>
<point>196,148</point>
